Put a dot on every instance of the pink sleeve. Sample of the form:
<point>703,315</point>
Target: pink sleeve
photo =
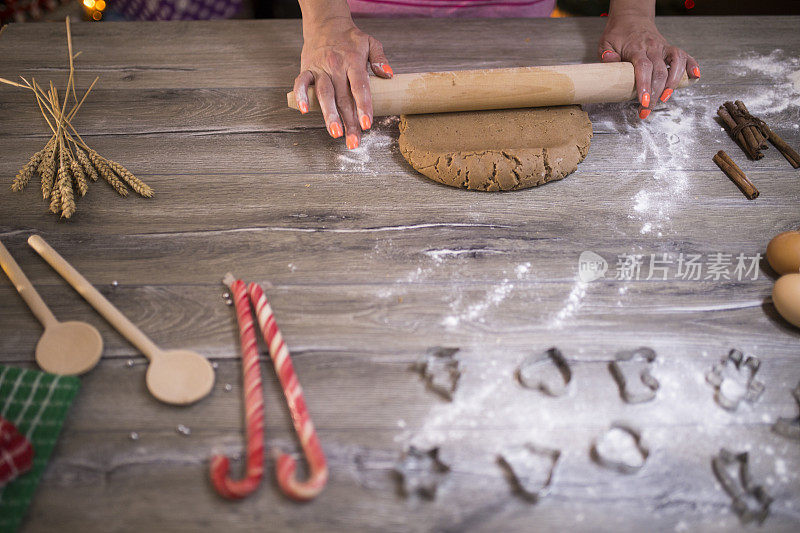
<point>452,8</point>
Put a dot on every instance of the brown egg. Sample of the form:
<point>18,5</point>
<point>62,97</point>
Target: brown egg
<point>786,297</point>
<point>783,252</point>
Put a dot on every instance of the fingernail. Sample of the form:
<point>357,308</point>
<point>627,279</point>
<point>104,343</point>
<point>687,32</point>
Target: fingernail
<point>352,141</point>
<point>646,99</point>
<point>366,123</point>
<point>335,129</point>
<point>303,107</point>
<point>666,94</point>
<point>644,113</point>
<point>696,72</point>
<point>387,69</point>
<point>603,56</point>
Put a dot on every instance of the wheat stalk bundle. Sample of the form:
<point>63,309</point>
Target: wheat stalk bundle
<point>67,163</point>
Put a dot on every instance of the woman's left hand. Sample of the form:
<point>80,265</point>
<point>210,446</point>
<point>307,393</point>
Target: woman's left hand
<point>658,66</point>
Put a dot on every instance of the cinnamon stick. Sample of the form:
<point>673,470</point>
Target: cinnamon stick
<point>752,133</point>
<point>788,152</point>
<point>762,142</point>
<point>749,138</point>
<point>732,170</point>
<point>729,121</point>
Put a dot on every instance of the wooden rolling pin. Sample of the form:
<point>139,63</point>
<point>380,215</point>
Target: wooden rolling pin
<point>502,88</point>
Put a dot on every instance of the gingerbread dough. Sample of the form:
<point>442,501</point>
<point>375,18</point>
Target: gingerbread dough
<point>499,150</point>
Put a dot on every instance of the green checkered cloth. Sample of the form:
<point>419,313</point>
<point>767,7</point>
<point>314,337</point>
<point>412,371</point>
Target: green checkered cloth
<point>37,403</point>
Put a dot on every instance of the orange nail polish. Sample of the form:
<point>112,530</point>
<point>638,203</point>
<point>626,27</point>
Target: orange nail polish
<point>646,100</point>
<point>644,113</point>
<point>603,56</point>
<point>366,123</point>
<point>388,70</point>
<point>666,94</point>
<point>696,72</point>
<point>335,130</point>
<point>352,141</point>
<point>303,107</point>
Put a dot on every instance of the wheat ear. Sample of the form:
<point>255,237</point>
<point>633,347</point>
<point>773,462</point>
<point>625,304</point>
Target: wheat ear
<point>25,174</point>
<point>65,186</point>
<point>141,188</point>
<point>107,174</point>
<point>47,170</point>
<point>85,163</point>
<point>55,201</point>
<point>80,177</point>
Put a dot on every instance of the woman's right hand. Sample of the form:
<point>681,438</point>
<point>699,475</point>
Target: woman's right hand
<point>335,58</point>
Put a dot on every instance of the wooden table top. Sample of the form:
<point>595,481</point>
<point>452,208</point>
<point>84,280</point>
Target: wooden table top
<point>372,266</point>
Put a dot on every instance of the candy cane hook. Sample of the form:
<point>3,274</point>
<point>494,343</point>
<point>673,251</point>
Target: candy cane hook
<point>286,468</point>
<point>254,406</point>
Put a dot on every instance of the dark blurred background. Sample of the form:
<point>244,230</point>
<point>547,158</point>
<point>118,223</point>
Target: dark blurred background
<point>100,10</point>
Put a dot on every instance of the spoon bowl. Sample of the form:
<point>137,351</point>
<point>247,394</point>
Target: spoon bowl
<point>66,348</point>
<point>179,377</point>
<point>69,348</point>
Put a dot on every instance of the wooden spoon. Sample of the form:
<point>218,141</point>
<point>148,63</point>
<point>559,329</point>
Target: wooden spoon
<point>66,348</point>
<point>177,377</point>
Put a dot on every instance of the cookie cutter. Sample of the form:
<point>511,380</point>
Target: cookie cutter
<point>729,392</point>
<point>750,502</point>
<point>441,370</point>
<point>530,481</point>
<point>420,472</point>
<point>632,373</point>
<point>790,427</point>
<point>530,378</point>
<point>616,461</point>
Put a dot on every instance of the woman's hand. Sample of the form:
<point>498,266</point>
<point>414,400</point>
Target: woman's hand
<point>334,59</point>
<point>658,66</point>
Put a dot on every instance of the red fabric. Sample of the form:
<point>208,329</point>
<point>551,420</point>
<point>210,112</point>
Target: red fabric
<point>16,452</point>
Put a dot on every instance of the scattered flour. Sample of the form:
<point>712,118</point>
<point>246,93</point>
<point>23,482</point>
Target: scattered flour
<point>358,160</point>
<point>400,285</point>
<point>571,304</point>
<point>472,311</point>
<point>476,311</point>
<point>780,467</point>
<point>667,140</point>
<point>776,80</point>
<point>522,269</point>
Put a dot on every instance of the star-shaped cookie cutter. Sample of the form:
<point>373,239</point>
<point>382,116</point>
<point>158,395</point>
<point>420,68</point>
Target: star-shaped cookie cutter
<point>420,471</point>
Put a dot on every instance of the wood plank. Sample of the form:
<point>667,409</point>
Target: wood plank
<point>622,202</point>
<point>403,252</point>
<point>423,314</point>
<point>262,54</point>
<point>224,111</point>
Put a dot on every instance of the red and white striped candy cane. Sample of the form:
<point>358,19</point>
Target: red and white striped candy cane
<point>286,466</point>
<point>254,406</point>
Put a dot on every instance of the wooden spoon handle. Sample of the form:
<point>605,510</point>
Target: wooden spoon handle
<point>25,288</point>
<point>124,326</point>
